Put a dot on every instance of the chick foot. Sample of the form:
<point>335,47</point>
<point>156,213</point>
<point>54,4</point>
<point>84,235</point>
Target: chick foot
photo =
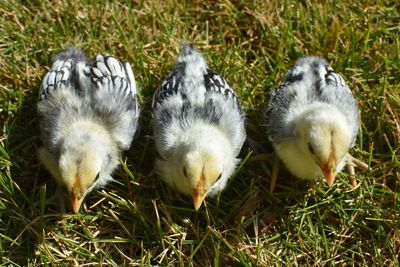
<point>352,162</point>
<point>275,171</point>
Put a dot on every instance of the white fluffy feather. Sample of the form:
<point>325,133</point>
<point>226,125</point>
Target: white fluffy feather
<point>198,128</point>
<point>312,121</point>
<point>88,116</point>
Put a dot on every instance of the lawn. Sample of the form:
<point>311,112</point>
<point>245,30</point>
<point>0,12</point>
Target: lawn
<point>137,219</point>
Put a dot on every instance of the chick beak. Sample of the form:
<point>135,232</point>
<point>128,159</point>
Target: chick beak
<point>76,202</point>
<point>329,169</point>
<point>199,194</point>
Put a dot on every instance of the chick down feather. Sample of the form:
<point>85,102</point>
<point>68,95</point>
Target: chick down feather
<point>88,116</point>
<point>198,128</point>
<point>312,120</point>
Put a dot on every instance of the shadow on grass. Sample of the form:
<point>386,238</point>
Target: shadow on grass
<point>23,219</point>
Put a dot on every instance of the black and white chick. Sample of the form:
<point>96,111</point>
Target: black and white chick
<point>88,116</point>
<point>198,128</point>
<point>312,121</point>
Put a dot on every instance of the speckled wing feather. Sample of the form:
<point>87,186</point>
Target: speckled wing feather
<point>175,82</point>
<point>58,76</point>
<point>194,92</point>
<point>170,85</point>
<point>63,95</point>
<point>66,74</point>
<point>216,83</point>
<point>310,81</point>
<point>114,98</point>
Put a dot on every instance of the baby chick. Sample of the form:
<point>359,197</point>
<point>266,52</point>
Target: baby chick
<point>88,116</point>
<point>198,128</point>
<point>312,122</point>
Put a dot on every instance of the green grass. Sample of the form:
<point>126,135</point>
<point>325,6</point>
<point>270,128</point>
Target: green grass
<point>137,220</point>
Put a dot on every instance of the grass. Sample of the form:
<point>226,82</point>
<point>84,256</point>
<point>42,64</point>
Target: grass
<point>137,220</point>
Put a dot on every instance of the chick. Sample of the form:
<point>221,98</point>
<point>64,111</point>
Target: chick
<point>312,121</point>
<point>88,116</point>
<point>198,128</point>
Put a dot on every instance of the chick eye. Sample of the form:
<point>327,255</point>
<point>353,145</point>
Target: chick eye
<point>310,148</point>
<point>219,176</point>
<point>184,171</point>
<point>97,177</point>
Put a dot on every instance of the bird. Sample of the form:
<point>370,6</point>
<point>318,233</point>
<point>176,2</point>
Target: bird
<point>198,128</point>
<point>88,115</point>
<point>312,120</point>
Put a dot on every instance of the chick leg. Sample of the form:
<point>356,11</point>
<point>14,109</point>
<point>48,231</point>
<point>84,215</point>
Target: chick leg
<point>274,175</point>
<point>352,162</point>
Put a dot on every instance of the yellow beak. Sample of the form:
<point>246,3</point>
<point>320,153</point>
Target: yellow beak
<point>329,171</point>
<point>198,199</point>
<point>199,193</point>
<point>76,203</point>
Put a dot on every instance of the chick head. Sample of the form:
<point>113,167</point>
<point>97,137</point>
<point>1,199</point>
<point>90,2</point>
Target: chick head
<point>202,168</point>
<point>84,164</point>
<point>325,137</point>
<point>201,164</point>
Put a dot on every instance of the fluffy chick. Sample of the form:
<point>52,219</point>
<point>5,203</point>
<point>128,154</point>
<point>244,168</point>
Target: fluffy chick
<point>88,116</point>
<point>198,128</point>
<point>312,122</point>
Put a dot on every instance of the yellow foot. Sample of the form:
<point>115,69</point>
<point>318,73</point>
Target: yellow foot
<point>274,175</point>
<point>352,162</point>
